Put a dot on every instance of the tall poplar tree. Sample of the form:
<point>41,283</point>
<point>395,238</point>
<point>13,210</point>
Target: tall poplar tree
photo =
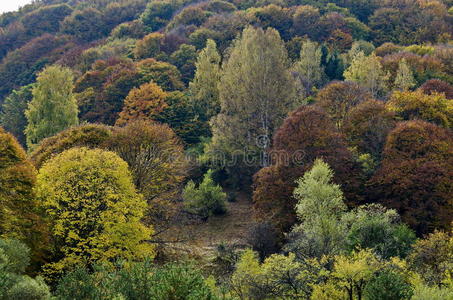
<point>204,89</point>
<point>53,107</point>
<point>404,79</point>
<point>256,93</point>
<point>309,65</point>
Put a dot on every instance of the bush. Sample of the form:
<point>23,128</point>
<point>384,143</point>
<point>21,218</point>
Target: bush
<point>137,281</point>
<point>206,200</point>
<point>263,239</point>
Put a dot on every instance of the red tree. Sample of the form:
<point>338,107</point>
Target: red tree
<point>415,175</point>
<point>308,133</point>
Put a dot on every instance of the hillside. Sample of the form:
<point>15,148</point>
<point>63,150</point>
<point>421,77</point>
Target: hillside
<point>226,149</point>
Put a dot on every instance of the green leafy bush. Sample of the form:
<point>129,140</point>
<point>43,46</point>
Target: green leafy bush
<point>205,200</point>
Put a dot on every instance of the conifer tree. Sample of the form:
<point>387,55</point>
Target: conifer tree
<point>204,88</point>
<point>404,79</point>
<point>53,107</point>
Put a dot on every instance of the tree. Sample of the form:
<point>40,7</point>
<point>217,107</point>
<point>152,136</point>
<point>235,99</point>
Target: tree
<point>12,115</point>
<point>149,46</point>
<point>206,199</point>
<point>204,90</point>
<point>308,67</point>
<point>86,135</point>
<point>319,209</point>
<point>305,21</point>
<point>404,79</point>
<point>256,93</point>
<point>157,14</point>
<point>414,177</point>
<point>19,216</point>
<point>184,59</point>
<point>431,257</point>
<point>366,127</point>
<point>14,259</point>
<point>102,90</point>
<point>143,103</point>
<point>437,86</point>
<point>352,272</point>
<point>163,74</point>
<point>375,227</point>
<point>279,276</point>
<point>367,71</point>
<point>45,19</point>
<point>94,210</point>
<point>156,159</point>
<point>434,108</point>
<point>339,97</point>
<point>141,280</point>
<point>388,285</point>
<point>53,107</point>
<point>306,134</point>
<point>86,25</point>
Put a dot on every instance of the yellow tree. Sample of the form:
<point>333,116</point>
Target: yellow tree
<point>93,209</point>
<point>143,103</point>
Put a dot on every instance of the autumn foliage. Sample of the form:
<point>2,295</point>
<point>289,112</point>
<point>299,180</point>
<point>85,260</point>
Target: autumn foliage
<point>143,103</point>
<point>307,134</point>
<point>415,176</point>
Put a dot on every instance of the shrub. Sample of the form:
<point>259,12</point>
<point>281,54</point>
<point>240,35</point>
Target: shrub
<point>205,200</point>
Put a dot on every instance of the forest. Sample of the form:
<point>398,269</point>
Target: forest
<point>226,150</point>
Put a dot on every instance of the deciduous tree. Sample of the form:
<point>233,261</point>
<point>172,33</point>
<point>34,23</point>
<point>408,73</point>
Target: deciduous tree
<point>204,89</point>
<point>12,115</point>
<point>53,107</point>
<point>256,93</point>
<point>415,175</point>
<point>94,210</point>
<point>143,103</point>
<point>434,108</point>
<point>367,71</point>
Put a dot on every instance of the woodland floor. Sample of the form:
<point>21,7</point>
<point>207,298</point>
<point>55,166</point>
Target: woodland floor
<point>200,239</point>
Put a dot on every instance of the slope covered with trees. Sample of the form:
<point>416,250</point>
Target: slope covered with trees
<point>226,149</point>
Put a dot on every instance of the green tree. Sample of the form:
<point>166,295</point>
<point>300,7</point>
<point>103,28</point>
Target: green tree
<point>204,90</point>
<point>53,107</point>
<point>367,71</point>
<point>142,280</point>
<point>380,229</point>
<point>256,93</point>
<point>309,65</point>
<point>206,199</point>
<point>388,285</point>
<point>319,208</point>
<point>14,259</point>
<point>404,79</point>
<point>93,208</point>
<point>12,113</point>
